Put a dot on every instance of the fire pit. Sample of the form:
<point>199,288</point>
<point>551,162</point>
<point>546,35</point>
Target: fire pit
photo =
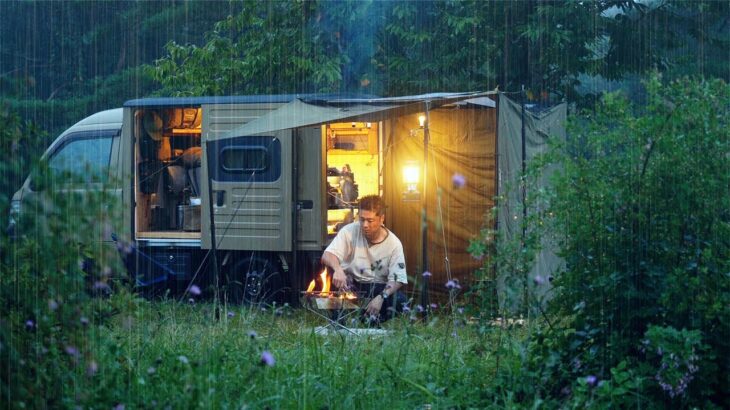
<point>325,299</point>
<point>334,306</point>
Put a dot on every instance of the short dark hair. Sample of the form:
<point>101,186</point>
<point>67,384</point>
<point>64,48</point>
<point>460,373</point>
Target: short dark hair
<point>372,203</point>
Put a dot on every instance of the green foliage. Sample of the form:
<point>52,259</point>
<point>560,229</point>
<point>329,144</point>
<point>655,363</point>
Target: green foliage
<point>56,279</point>
<point>22,143</point>
<point>645,222</point>
<point>640,206</point>
<point>265,48</point>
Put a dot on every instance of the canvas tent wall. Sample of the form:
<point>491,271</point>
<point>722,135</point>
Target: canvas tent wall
<point>462,141</point>
<point>524,132</point>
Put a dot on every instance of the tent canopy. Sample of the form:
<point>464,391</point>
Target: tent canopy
<point>299,113</point>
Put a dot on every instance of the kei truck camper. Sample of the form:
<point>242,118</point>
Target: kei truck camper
<point>253,188</point>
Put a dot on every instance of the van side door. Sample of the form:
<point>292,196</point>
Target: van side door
<point>251,184</point>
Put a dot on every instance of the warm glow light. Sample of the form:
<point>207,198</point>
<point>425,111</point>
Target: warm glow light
<point>325,282</point>
<point>411,174</point>
<point>310,288</point>
<point>422,120</point>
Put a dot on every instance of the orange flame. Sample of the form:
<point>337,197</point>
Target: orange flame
<point>325,282</point>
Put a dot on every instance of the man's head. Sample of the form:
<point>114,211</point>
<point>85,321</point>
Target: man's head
<point>371,215</point>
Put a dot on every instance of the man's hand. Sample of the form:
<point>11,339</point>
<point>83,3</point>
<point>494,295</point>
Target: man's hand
<point>374,306</point>
<point>339,279</point>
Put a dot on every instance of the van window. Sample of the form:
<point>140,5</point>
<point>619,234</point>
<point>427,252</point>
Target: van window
<point>245,159</point>
<point>82,158</point>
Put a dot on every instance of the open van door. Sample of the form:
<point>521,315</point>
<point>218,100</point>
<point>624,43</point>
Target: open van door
<point>251,183</point>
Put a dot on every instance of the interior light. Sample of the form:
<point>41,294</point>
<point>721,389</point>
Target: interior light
<point>411,173</point>
<point>411,176</point>
<point>422,120</point>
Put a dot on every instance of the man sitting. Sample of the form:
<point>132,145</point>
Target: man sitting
<point>367,257</point>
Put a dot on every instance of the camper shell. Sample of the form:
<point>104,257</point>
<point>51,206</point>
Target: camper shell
<point>262,182</point>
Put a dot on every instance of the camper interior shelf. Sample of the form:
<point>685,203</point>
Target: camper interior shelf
<point>168,170</point>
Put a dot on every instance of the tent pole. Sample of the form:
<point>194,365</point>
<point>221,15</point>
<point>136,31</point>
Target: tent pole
<point>425,302</point>
<point>212,233</point>
<point>524,192</point>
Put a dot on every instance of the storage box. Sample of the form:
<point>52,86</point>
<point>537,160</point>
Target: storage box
<point>190,217</point>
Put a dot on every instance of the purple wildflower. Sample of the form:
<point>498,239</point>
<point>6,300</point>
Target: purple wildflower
<point>451,284</point>
<point>119,406</point>
<point>460,310</point>
<point>419,308</point>
<point>434,306</point>
<point>194,290</point>
<point>591,380</point>
<point>151,370</point>
<point>458,180</point>
<point>191,301</point>
<point>267,359</point>
<point>252,334</point>
<point>426,274</point>
<point>101,286</point>
<point>71,351</point>
<point>29,324</point>
<point>539,280</point>
<point>406,309</point>
<point>231,314</point>
<point>84,321</point>
<point>52,304</point>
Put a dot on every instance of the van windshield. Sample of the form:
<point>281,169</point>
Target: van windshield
<point>83,159</point>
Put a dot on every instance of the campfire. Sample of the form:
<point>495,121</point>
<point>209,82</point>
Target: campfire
<point>326,298</point>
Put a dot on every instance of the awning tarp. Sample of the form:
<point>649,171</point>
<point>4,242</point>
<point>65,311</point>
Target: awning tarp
<point>299,113</point>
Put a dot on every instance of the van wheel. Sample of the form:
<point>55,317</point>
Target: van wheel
<point>254,280</point>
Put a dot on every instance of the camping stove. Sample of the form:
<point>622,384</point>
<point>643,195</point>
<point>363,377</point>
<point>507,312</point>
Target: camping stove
<point>335,300</point>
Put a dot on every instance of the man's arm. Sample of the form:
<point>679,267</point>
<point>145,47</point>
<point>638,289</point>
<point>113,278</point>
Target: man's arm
<point>339,278</point>
<point>377,302</point>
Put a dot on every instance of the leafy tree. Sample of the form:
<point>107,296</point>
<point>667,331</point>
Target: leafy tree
<point>266,47</point>
<point>641,208</point>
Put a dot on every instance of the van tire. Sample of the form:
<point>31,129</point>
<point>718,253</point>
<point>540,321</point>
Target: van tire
<point>254,280</point>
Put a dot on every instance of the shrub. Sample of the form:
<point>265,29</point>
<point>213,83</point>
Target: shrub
<point>56,281</point>
<point>642,212</point>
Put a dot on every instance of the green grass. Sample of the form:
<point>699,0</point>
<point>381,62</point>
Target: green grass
<point>179,355</point>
